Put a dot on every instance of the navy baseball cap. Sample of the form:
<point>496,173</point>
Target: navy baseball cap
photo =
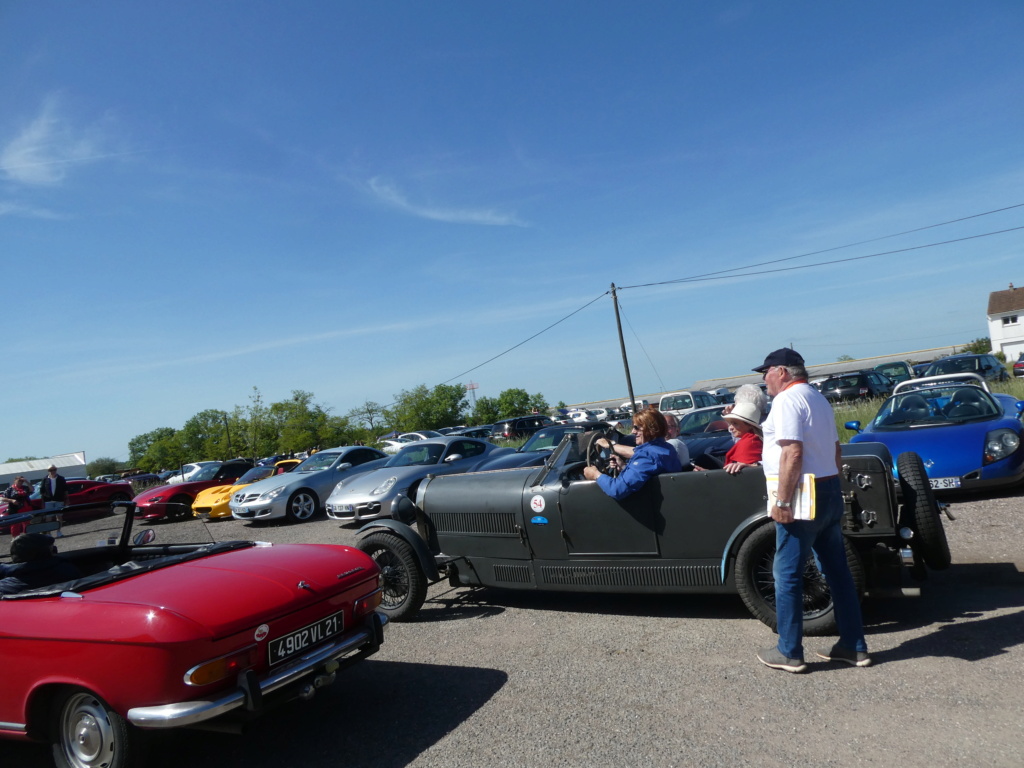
<point>784,356</point>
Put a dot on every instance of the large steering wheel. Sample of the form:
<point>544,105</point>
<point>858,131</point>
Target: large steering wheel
<point>597,456</point>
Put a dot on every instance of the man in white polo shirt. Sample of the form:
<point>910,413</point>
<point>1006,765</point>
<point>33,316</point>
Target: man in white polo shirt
<point>800,438</point>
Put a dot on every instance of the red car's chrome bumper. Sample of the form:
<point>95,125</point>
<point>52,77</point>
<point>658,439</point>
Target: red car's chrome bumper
<point>356,644</point>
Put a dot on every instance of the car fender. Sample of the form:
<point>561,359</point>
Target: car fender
<point>407,534</point>
<point>732,546</point>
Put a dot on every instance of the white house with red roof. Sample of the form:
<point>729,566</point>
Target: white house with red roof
<point>1006,321</point>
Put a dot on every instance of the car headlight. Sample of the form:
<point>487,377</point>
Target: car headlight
<point>1000,443</point>
<point>154,499</point>
<point>272,494</point>
<point>384,487</point>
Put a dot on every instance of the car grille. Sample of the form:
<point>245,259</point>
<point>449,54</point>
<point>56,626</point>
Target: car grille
<point>244,498</point>
<point>496,523</point>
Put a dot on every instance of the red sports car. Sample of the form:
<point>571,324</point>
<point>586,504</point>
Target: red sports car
<point>175,501</point>
<point>89,497</point>
<point>137,640</point>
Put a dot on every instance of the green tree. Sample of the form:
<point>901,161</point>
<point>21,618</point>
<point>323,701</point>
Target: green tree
<point>422,408</point>
<point>166,453</point>
<point>253,431</point>
<point>102,466</point>
<point>514,402</point>
<point>23,458</point>
<point>207,436</point>
<point>843,359</point>
<point>370,414</point>
<point>303,424</point>
<point>485,411</point>
<point>980,346</point>
<point>139,445</point>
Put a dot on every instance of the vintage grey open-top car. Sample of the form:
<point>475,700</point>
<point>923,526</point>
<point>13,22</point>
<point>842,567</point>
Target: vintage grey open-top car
<point>546,528</point>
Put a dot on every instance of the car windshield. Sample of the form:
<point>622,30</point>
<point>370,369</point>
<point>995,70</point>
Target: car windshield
<point>952,403</point>
<point>316,462</point>
<point>547,439</point>
<point>698,420</point>
<point>415,454</point>
<point>254,474</point>
<point>206,473</point>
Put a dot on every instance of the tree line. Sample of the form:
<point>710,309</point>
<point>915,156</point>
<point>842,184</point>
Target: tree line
<point>300,424</point>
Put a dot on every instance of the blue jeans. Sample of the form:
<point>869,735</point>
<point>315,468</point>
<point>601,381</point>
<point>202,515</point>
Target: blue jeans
<point>794,543</point>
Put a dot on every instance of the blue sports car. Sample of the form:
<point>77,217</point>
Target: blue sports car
<point>967,437</point>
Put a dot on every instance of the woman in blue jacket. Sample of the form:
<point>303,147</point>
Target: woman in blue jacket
<point>652,456</point>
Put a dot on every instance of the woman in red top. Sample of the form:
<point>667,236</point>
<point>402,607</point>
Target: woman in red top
<point>744,426</point>
<point>18,500</point>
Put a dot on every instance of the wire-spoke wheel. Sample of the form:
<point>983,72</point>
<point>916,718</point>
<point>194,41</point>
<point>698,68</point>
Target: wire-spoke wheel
<point>404,584</point>
<point>755,582</point>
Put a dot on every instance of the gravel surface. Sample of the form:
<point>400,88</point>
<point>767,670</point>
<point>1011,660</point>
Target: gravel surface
<point>517,679</point>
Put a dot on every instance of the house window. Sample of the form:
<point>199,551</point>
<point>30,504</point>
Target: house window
<point>1011,320</point>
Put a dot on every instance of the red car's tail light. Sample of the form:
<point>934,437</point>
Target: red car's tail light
<point>223,668</point>
<point>367,603</point>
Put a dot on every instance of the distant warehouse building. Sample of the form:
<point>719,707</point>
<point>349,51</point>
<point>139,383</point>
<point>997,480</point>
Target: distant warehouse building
<point>1006,321</point>
<point>67,464</point>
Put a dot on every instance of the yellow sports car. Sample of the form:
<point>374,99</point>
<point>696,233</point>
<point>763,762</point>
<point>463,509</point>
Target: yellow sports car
<point>212,503</point>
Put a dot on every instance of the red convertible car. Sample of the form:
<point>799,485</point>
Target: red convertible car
<point>89,497</point>
<point>137,640</point>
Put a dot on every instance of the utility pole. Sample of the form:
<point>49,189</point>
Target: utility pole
<point>622,346</point>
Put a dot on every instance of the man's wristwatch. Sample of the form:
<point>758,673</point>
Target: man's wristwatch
<point>783,504</point>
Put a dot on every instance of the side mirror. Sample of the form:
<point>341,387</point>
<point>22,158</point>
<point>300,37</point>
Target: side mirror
<point>144,537</point>
<point>1020,406</point>
<point>343,466</point>
<point>854,426</point>
<point>453,457</point>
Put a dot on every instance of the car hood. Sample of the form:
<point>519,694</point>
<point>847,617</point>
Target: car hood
<point>515,459</point>
<point>362,485</point>
<point>947,451</point>
<point>209,495</point>
<point>263,582</point>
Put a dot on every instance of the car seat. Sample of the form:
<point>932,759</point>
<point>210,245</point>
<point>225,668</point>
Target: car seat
<point>911,408</point>
<point>965,403</point>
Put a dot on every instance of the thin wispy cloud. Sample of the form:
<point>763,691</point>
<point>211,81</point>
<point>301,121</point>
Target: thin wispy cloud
<point>26,211</point>
<point>388,193</point>
<point>44,148</point>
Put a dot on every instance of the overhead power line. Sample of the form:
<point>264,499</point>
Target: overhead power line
<point>709,276</point>
<point>736,272</point>
<point>531,338</point>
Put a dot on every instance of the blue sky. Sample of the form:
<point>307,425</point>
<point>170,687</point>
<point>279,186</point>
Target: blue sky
<point>356,198</point>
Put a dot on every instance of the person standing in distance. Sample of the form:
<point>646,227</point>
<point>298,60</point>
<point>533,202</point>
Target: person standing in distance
<point>54,488</point>
<point>800,438</point>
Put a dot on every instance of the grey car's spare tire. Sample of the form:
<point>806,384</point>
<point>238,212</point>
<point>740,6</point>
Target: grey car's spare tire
<point>919,501</point>
<point>404,584</point>
<point>756,583</point>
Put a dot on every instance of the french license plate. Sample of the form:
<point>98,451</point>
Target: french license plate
<point>294,643</point>
<point>944,483</point>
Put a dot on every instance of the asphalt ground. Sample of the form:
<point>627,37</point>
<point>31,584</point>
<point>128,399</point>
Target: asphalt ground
<point>486,677</point>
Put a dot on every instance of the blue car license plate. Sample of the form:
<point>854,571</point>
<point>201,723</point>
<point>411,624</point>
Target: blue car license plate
<point>294,643</point>
<point>944,483</point>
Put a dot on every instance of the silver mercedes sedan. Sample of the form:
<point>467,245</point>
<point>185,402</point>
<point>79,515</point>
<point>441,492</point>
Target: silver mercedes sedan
<point>299,494</point>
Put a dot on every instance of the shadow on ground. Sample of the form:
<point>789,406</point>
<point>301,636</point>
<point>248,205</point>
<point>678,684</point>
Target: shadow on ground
<point>365,718</point>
